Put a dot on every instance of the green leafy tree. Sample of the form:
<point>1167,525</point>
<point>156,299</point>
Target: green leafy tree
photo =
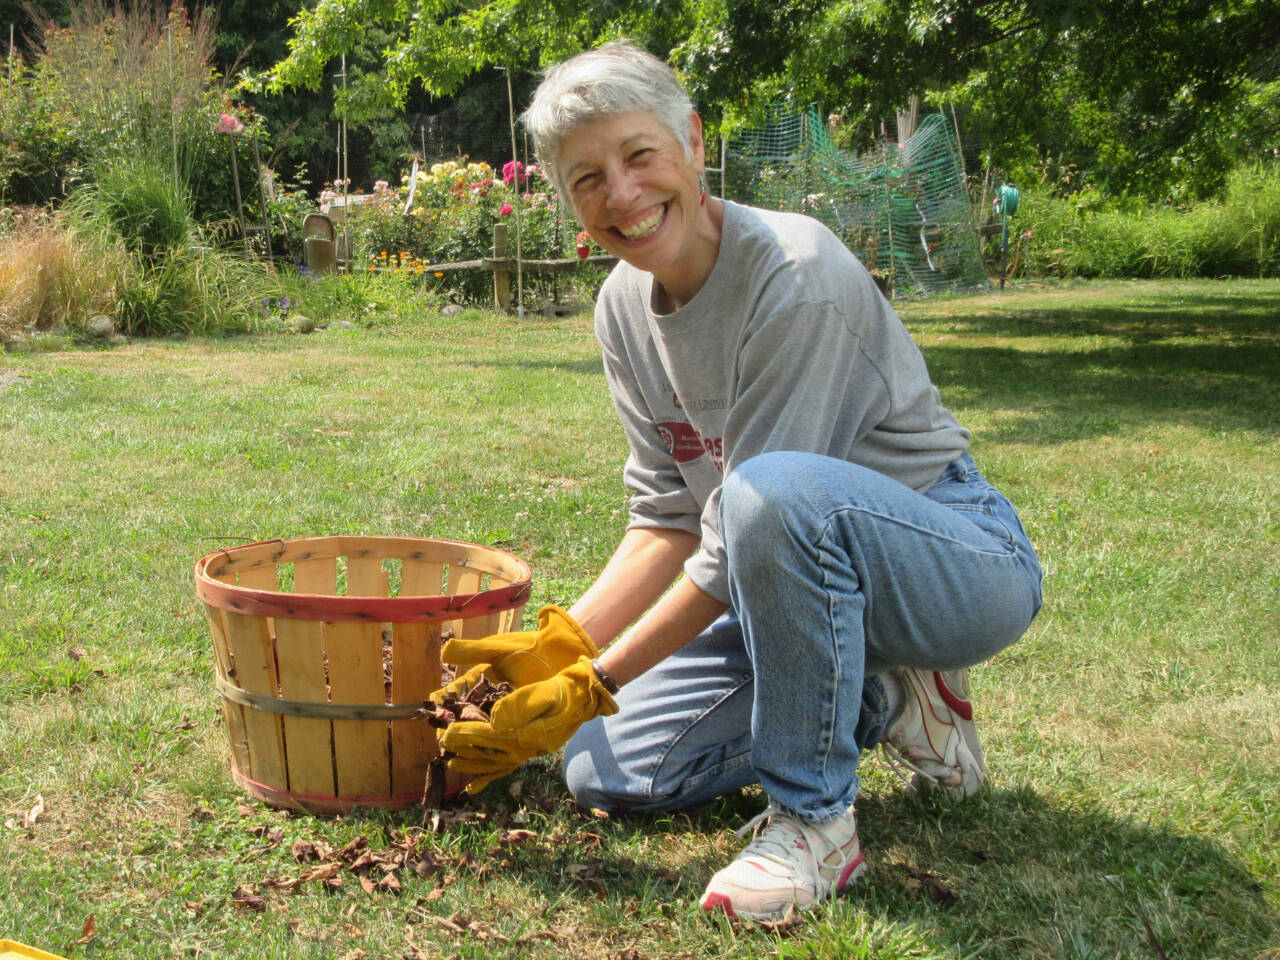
<point>1130,95</point>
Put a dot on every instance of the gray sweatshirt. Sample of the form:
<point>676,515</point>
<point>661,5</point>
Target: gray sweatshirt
<point>787,346</point>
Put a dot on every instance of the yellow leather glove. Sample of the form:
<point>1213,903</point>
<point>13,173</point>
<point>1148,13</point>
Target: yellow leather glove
<point>532,720</point>
<point>519,658</point>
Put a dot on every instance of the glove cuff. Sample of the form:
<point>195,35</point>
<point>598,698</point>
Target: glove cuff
<point>550,611</point>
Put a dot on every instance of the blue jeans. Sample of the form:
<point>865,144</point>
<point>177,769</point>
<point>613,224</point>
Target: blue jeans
<point>836,574</point>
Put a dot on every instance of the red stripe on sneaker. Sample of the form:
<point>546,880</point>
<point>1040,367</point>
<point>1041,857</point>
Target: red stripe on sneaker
<point>713,900</point>
<point>962,708</point>
<point>852,870</point>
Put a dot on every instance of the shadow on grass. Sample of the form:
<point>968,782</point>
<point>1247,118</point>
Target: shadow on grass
<point>1058,396</point>
<point>1158,312</point>
<point>1029,877</point>
<point>593,365</point>
<point>1009,874</point>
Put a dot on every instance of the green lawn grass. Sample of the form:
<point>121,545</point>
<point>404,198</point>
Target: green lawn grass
<point>1133,735</point>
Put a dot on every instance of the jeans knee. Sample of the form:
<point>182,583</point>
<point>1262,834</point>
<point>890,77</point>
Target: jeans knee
<point>751,492</point>
<point>586,777</point>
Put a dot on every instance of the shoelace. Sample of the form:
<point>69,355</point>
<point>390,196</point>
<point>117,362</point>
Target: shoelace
<point>900,764</point>
<point>782,841</point>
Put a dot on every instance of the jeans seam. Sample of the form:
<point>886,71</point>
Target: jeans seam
<point>898,521</point>
<point>829,694</point>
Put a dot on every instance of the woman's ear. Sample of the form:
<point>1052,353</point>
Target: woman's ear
<point>697,148</point>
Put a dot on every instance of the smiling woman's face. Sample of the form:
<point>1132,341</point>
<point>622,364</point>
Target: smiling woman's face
<point>633,190</point>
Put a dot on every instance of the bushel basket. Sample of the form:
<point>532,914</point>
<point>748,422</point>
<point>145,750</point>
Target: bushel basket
<point>326,649</point>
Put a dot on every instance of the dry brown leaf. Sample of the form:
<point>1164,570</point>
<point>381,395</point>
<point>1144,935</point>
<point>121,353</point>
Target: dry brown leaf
<point>367,884</point>
<point>354,932</point>
<point>37,810</point>
<point>88,931</point>
<point>925,884</point>
<point>517,836</point>
<point>194,907</point>
<point>354,847</point>
<point>790,921</point>
<point>435,893</point>
<point>245,896</point>
<point>323,871</point>
<point>389,882</point>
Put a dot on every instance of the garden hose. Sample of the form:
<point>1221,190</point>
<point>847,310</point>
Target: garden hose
<point>1007,199</point>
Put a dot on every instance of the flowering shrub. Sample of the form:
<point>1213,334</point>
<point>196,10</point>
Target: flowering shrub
<point>452,209</point>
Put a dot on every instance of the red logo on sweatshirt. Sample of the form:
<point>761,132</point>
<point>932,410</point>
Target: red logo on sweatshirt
<point>681,440</point>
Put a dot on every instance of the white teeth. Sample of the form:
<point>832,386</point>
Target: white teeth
<point>638,231</point>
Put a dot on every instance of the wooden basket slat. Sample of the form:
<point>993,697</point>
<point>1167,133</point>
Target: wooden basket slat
<point>316,576</point>
<point>421,578</point>
<point>462,580</point>
<point>259,578</point>
<point>255,671</point>
<point>232,712</point>
<point>415,674</point>
<point>366,577</point>
<point>308,740</point>
<point>355,676</point>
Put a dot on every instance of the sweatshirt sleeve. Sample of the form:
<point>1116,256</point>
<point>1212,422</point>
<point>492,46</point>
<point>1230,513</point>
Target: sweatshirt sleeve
<point>659,495</point>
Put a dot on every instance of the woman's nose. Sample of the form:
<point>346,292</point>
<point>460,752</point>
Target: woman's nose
<point>622,190</point>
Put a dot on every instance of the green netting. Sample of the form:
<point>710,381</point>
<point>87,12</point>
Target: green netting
<point>902,208</point>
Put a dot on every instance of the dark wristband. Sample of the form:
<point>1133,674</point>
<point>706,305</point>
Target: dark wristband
<point>606,681</point>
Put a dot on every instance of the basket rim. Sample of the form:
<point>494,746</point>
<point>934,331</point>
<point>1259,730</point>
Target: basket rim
<point>309,606</point>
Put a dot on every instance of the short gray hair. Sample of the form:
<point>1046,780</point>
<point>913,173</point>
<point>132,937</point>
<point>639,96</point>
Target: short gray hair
<point>615,78</point>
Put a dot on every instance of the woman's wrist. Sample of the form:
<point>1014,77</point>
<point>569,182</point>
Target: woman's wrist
<point>606,681</point>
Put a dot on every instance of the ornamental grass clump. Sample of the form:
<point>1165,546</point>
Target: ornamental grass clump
<point>54,279</point>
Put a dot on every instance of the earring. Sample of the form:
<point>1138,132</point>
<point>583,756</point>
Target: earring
<point>702,186</point>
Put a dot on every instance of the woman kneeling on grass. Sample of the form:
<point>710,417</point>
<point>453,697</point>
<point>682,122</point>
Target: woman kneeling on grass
<point>844,561</point>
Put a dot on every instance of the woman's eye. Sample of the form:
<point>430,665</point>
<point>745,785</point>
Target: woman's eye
<point>583,181</point>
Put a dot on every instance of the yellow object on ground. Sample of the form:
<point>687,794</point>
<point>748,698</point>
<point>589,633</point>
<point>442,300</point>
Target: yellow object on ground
<point>12,950</point>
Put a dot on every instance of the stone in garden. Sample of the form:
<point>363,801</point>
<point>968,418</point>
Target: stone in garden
<point>346,325</point>
<point>100,326</point>
<point>450,310</point>
<point>304,324</point>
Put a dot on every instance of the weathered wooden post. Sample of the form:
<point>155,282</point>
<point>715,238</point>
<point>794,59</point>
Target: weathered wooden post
<point>501,268</point>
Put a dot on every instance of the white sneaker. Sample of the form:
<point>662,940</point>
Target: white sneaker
<point>789,864</point>
<point>934,734</point>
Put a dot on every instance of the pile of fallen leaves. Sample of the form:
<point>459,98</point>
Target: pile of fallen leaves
<point>373,870</point>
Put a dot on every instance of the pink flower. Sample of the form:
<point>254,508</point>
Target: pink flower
<point>512,169</point>
<point>506,210</point>
<point>1027,235</point>
<point>228,124</point>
